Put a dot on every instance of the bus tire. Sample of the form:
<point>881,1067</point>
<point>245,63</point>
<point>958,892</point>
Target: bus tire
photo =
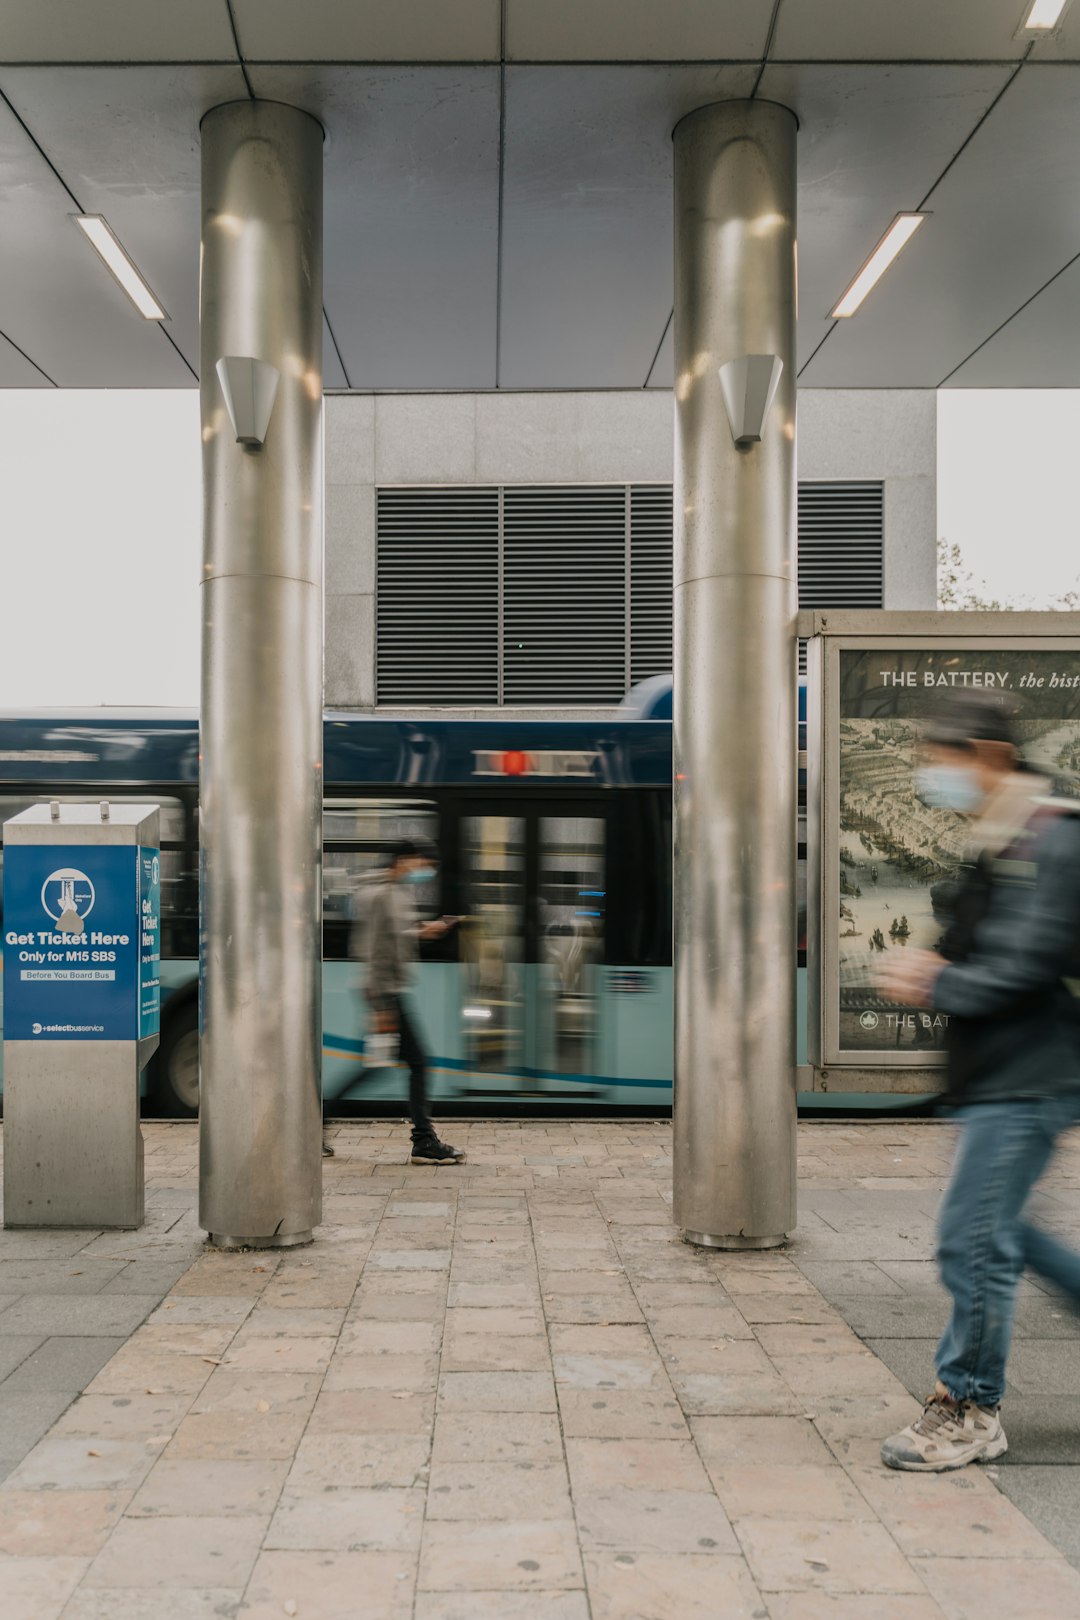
<point>174,1070</point>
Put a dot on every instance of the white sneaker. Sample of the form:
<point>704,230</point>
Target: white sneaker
<point>948,1434</point>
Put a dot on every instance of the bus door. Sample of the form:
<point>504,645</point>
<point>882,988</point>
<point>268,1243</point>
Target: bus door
<point>492,946</point>
<point>569,906</point>
<point>534,895</point>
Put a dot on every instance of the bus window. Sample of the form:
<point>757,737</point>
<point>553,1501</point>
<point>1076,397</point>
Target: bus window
<point>358,836</point>
<point>665,852</point>
<point>179,884</point>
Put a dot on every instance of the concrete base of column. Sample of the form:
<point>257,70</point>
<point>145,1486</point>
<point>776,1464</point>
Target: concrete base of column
<point>707,1240</point>
<point>291,1240</point>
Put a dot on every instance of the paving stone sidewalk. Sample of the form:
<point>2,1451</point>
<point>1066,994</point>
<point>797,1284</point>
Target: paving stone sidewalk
<point>504,1391</point>
<point>867,1201</point>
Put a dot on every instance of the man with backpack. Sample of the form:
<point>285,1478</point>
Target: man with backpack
<point>390,931</point>
<point>1007,974</point>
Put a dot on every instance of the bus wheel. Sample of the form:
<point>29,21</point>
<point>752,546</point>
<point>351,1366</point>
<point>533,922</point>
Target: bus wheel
<point>176,1066</point>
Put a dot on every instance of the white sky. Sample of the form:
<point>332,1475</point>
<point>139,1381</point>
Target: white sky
<point>1008,492</point>
<point>100,520</point>
<point>100,548</point>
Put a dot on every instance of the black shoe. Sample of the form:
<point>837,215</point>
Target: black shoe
<point>429,1150</point>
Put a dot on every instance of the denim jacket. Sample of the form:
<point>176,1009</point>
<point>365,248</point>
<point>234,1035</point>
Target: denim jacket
<point>1012,984</point>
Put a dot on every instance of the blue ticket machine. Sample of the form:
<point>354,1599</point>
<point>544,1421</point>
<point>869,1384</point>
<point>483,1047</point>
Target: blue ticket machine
<point>81,932</point>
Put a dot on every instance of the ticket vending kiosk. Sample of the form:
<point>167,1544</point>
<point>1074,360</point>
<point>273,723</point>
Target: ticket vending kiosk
<point>81,935</point>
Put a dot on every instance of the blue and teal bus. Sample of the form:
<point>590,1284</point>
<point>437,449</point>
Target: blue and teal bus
<point>554,993</point>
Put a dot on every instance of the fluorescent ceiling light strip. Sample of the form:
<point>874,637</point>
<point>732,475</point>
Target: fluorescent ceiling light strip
<point>897,236</point>
<point>101,238</point>
<point>1045,13</point>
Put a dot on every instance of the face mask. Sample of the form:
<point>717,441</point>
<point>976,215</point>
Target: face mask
<point>948,787</point>
<point>419,874</point>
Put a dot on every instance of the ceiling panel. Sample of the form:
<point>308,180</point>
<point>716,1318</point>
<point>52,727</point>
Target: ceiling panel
<point>16,370</point>
<point>126,140</point>
<point>1039,348</point>
<point>1063,44</point>
<point>872,141</point>
<point>116,31</point>
<point>412,202</point>
<point>333,375</point>
<point>587,212</point>
<point>587,218</point>
<point>368,30</point>
<point>1004,220</point>
<point>899,30</point>
<point>411,217</point>
<point>663,371</point>
<point>635,30</point>
<point>57,300</point>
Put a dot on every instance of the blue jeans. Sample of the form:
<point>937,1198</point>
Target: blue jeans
<point>984,1243</point>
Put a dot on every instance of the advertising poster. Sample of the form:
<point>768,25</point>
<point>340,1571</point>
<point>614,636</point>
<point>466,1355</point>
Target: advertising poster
<point>70,948</point>
<point>898,860</point>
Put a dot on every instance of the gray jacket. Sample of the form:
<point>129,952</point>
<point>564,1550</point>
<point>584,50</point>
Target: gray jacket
<point>1010,986</point>
<point>385,937</point>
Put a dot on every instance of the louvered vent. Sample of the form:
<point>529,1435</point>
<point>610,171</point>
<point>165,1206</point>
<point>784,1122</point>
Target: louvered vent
<point>841,547</point>
<point>437,595</point>
<point>564,594</point>
<point>532,602</point>
<point>650,580</point>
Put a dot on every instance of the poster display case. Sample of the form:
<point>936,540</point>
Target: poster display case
<point>883,867</point>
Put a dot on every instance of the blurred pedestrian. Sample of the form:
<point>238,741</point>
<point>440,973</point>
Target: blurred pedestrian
<point>390,931</point>
<point>1007,974</point>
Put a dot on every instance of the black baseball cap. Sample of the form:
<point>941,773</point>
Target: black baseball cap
<point>976,716</point>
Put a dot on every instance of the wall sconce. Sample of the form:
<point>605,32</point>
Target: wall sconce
<point>250,388</point>
<point>749,387</point>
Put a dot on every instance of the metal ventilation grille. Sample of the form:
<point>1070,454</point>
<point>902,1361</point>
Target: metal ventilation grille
<point>437,595</point>
<point>564,594</point>
<point>841,545</point>
<point>651,545</point>
<point>559,595</point>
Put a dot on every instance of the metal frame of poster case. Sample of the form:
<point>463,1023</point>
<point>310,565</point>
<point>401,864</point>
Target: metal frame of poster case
<point>828,635</point>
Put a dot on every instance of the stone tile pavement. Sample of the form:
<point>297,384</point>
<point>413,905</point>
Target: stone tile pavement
<point>867,1201</point>
<point>506,1391</point>
<point>70,1300</point>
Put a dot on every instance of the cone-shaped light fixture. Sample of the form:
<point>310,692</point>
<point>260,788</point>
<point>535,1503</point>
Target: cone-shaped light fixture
<point>250,388</point>
<point>749,387</point>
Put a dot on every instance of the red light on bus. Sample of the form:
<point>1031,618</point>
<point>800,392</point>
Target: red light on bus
<point>516,762</point>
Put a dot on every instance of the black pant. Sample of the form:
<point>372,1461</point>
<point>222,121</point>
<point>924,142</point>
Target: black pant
<point>412,1054</point>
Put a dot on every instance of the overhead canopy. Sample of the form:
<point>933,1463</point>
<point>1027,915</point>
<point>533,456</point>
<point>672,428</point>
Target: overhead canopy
<point>499,181</point>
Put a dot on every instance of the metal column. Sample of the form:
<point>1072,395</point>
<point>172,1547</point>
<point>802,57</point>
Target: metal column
<point>261,724</point>
<point>735,684</point>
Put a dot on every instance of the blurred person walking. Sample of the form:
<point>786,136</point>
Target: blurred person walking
<point>1007,974</point>
<point>390,931</point>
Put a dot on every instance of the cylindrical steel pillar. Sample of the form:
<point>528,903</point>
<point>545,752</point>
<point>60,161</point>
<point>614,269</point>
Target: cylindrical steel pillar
<point>735,683</point>
<point>261,723</point>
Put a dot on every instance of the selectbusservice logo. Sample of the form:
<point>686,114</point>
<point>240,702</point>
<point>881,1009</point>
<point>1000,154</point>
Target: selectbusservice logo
<point>68,898</point>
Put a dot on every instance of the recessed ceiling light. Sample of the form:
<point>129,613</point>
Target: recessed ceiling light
<point>1045,14</point>
<point>897,236</point>
<point>101,238</point>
